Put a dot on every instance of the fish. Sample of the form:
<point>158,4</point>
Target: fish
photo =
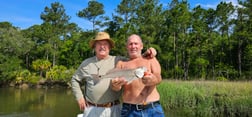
<point>128,74</point>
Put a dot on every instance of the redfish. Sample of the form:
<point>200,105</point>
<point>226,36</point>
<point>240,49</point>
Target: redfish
<point>128,74</point>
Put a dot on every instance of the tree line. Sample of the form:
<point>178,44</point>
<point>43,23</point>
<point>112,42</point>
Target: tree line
<point>192,43</point>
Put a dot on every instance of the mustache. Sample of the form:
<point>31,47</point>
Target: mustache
<point>102,49</point>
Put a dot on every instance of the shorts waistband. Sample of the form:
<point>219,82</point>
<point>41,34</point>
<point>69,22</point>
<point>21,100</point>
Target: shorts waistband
<point>142,106</point>
<point>109,104</point>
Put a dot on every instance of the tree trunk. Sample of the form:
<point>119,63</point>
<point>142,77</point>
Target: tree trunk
<point>27,60</point>
<point>239,57</point>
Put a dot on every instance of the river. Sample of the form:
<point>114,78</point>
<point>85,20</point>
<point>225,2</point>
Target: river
<point>33,102</point>
<point>37,103</point>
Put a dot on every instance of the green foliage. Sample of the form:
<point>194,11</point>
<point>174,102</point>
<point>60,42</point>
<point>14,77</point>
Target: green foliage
<point>41,65</point>
<point>8,68</point>
<point>55,27</point>
<point>25,76</point>
<point>13,42</point>
<point>206,98</point>
<point>177,72</point>
<point>75,49</point>
<point>59,73</point>
<point>221,78</point>
<point>91,13</point>
<point>248,57</point>
<point>33,79</point>
<point>202,66</point>
<point>55,15</point>
<point>13,46</point>
<point>192,43</point>
<point>226,71</point>
<point>22,76</point>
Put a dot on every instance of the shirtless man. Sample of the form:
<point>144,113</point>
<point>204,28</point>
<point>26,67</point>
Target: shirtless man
<point>98,99</point>
<point>140,97</point>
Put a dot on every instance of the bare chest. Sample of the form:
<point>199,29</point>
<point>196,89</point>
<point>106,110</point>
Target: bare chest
<point>136,63</point>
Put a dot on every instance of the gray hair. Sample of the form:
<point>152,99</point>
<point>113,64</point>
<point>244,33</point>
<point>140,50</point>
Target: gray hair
<point>135,36</point>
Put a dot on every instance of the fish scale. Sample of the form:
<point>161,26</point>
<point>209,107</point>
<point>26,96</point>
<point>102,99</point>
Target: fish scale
<point>128,74</point>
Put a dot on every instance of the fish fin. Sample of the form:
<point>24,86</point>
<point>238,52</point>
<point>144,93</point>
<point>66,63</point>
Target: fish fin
<point>113,70</point>
<point>118,69</point>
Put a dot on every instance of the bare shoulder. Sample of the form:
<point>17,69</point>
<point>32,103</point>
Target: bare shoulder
<point>154,61</point>
<point>155,65</point>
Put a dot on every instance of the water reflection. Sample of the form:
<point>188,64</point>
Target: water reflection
<point>42,103</point>
<point>37,103</point>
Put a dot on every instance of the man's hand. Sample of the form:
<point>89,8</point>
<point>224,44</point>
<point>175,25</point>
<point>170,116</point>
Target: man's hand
<point>150,53</point>
<point>82,104</point>
<point>148,79</point>
<point>117,83</point>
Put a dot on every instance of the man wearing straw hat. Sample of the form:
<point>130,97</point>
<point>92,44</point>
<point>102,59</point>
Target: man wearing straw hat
<point>98,98</point>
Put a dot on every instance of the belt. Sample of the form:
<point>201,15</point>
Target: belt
<point>109,104</point>
<point>142,106</point>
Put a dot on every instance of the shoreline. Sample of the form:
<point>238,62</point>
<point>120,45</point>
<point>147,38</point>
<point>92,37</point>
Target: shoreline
<point>41,84</point>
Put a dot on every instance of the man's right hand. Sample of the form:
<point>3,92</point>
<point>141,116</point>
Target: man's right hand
<point>82,104</point>
<point>117,83</point>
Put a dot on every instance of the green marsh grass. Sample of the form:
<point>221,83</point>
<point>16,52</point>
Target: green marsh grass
<point>206,98</point>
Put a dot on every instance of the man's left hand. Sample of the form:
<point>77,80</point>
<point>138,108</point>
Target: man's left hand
<point>150,53</point>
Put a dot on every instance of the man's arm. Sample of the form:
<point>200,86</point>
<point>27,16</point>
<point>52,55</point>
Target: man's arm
<point>76,88</point>
<point>150,53</point>
<point>76,82</point>
<point>153,77</point>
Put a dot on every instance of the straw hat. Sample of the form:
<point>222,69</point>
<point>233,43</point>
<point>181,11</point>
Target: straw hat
<point>101,36</point>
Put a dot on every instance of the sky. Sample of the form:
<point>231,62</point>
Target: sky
<point>26,13</point>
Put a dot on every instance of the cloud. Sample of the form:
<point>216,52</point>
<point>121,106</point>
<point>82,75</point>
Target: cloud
<point>208,5</point>
<point>235,3</point>
<point>214,5</point>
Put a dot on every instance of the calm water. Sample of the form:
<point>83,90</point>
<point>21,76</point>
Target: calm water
<point>41,103</point>
<point>37,103</point>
